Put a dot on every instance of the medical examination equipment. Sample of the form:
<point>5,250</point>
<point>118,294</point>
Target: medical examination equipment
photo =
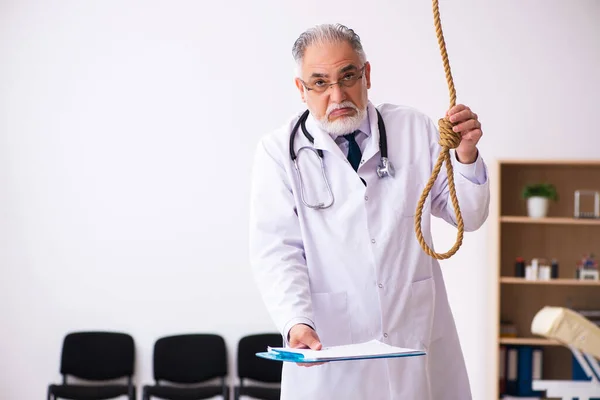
<point>384,169</point>
<point>583,338</point>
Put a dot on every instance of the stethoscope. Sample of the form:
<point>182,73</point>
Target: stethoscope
<point>385,168</point>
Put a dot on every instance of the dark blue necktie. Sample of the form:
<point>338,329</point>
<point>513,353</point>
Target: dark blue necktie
<point>354,154</point>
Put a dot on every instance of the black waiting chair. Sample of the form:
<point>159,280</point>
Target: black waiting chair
<point>255,369</point>
<point>188,363</point>
<point>97,358</point>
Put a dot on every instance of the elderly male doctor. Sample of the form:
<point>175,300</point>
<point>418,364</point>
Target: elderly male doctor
<point>352,270</point>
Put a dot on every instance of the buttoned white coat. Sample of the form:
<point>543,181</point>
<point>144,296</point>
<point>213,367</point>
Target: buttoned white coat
<point>355,271</point>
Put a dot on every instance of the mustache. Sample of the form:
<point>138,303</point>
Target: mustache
<point>345,104</point>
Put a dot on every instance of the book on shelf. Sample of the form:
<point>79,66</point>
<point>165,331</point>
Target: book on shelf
<point>520,365</point>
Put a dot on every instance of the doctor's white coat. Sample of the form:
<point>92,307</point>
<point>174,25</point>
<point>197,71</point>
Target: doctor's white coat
<point>355,271</point>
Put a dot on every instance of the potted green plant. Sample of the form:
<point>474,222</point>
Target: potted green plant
<point>538,196</point>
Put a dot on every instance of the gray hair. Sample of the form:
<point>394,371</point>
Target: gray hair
<point>327,33</point>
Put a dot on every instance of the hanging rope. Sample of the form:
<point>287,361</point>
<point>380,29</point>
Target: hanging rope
<point>448,140</point>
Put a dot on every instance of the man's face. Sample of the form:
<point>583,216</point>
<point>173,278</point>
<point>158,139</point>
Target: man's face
<point>339,108</point>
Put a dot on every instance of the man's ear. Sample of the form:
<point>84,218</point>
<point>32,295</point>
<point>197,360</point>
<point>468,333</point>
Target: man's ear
<point>301,88</point>
<point>368,74</point>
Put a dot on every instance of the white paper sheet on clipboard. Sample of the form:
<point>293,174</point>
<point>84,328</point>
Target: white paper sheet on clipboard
<point>359,351</point>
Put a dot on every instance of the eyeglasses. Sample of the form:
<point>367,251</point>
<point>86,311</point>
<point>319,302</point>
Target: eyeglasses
<point>348,80</point>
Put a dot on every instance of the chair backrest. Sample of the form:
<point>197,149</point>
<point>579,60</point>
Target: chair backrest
<point>190,358</point>
<point>252,367</point>
<point>98,355</point>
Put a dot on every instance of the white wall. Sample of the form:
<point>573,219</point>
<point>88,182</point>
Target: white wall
<point>128,129</point>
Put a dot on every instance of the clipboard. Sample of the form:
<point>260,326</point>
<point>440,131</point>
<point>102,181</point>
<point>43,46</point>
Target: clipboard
<point>361,351</point>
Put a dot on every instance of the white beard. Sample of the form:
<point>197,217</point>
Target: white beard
<point>345,124</point>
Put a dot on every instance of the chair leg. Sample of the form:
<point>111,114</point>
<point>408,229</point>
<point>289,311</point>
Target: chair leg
<point>225,392</point>
<point>236,393</point>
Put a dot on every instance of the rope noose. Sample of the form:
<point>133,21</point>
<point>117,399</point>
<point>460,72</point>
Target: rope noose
<point>448,140</point>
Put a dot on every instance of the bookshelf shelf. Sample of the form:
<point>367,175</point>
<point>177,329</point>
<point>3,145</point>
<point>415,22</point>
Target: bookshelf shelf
<point>568,282</point>
<point>558,237</point>
<point>528,341</point>
<point>512,219</point>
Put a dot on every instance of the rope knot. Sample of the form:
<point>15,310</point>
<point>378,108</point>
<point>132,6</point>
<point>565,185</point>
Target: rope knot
<point>448,138</point>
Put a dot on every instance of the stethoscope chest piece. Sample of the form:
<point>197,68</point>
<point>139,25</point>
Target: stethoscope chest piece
<point>386,168</point>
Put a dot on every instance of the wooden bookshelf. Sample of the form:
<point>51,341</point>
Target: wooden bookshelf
<point>558,236</point>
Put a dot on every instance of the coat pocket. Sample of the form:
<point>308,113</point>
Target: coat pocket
<point>422,301</point>
<point>331,318</point>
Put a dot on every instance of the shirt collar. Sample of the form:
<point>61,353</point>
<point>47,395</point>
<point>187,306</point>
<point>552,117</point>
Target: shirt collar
<point>365,126</point>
